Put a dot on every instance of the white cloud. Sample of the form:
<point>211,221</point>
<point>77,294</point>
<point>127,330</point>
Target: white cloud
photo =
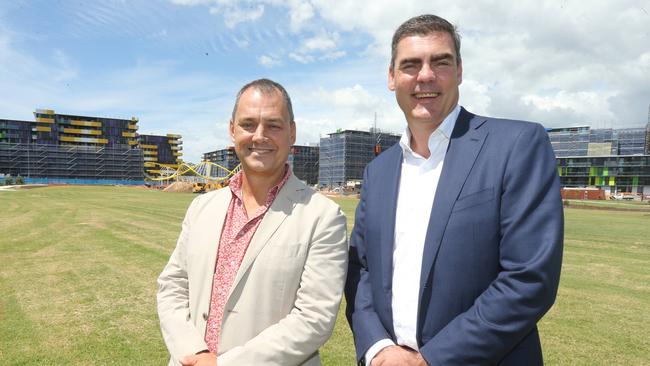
<point>268,61</point>
<point>321,42</point>
<point>300,57</point>
<point>333,55</point>
<point>234,15</point>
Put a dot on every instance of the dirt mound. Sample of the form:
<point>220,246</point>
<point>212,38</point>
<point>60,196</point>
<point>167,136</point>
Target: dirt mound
<point>179,187</point>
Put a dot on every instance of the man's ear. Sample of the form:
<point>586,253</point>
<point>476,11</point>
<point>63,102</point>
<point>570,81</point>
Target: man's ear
<point>391,79</point>
<point>231,130</point>
<point>293,132</point>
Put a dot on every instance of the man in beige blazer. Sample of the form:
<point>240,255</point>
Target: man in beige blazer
<point>282,304</point>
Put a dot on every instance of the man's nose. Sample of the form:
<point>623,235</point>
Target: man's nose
<point>426,73</point>
<point>260,133</point>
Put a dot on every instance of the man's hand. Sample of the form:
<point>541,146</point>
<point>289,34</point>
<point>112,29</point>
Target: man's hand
<point>398,355</point>
<point>202,359</point>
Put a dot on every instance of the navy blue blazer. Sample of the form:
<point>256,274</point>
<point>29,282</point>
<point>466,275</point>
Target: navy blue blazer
<point>493,251</point>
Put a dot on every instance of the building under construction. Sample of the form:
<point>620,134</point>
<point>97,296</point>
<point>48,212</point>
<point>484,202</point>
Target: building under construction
<point>615,160</point>
<point>302,159</point>
<point>225,158</point>
<point>304,163</point>
<point>58,148</point>
<point>160,151</point>
<point>345,154</point>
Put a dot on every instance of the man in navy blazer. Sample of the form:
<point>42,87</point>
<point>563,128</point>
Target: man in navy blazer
<point>457,244</point>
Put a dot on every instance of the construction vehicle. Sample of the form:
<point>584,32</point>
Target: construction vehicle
<point>201,187</point>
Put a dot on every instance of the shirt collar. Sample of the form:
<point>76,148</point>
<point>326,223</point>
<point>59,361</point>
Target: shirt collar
<point>235,184</point>
<point>444,131</point>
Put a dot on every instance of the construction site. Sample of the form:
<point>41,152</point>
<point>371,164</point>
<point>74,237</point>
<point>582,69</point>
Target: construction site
<point>345,154</point>
<point>73,149</point>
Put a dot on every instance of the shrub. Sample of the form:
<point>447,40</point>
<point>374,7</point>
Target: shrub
<point>8,180</point>
<point>20,180</point>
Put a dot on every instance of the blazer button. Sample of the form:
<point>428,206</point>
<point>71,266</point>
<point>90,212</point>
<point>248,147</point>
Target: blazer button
<point>205,316</point>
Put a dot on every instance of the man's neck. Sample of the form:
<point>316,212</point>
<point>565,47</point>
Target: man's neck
<point>255,188</point>
<point>420,138</point>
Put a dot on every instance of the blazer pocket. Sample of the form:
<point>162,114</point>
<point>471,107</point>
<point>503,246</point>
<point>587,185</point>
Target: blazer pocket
<point>474,199</point>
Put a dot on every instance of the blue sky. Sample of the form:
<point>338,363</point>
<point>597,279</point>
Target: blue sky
<point>177,64</point>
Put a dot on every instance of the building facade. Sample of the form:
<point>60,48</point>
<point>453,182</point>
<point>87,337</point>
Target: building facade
<point>304,163</point>
<point>345,154</point>
<point>225,158</point>
<point>160,151</point>
<point>615,160</point>
<point>61,148</point>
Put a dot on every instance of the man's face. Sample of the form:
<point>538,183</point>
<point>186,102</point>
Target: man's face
<point>262,132</point>
<point>425,78</point>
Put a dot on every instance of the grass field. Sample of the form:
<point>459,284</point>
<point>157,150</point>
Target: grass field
<point>78,268</point>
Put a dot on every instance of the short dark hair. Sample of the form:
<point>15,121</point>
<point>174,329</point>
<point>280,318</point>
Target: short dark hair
<point>265,86</point>
<point>423,25</point>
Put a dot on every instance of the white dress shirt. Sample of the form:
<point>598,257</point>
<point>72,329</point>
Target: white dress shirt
<point>418,184</point>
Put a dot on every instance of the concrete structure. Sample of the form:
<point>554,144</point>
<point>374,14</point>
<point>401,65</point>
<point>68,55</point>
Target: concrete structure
<point>615,160</point>
<point>64,148</point>
<point>304,163</point>
<point>225,158</point>
<point>159,151</point>
<point>345,154</point>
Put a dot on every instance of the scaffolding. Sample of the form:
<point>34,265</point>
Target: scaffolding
<point>224,157</point>
<point>345,154</point>
<point>62,163</point>
<point>304,163</point>
<point>571,141</point>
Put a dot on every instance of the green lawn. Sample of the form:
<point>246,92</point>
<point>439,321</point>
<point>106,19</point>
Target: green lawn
<point>78,268</point>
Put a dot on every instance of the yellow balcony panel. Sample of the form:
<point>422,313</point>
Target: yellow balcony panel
<point>149,146</point>
<point>149,152</point>
<point>128,134</point>
<point>85,123</point>
<point>45,111</point>
<point>175,148</point>
<point>135,119</point>
<point>44,120</point>
<point>132,127</point>
<point>153,171</point>
<point>133,142</point>
<point>43,128</point>
<point>174,135</point>
<point>150,158</point>
<point>149,164</point>
<point>83,139</point>
<point>178,154</point>
<point>82,132</point>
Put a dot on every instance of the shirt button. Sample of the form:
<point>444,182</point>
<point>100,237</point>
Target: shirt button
<point>205,316</point>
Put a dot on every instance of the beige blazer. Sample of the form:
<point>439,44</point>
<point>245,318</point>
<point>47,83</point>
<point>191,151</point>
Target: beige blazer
<point>285,297</point>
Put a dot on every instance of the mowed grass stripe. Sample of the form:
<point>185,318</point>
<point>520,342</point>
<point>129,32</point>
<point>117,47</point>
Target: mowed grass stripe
<point>79,266</point>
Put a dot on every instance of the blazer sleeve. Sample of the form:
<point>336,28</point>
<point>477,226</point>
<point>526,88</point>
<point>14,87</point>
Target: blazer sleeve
<point>360,311</point>
<point>530,256</point>
<point>310,323</point>
<point>178,331</point>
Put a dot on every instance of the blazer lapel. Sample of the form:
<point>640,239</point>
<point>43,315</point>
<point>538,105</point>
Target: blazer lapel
<point>212,220</point>
<point>389,175</point>
<point>276,214</point>
<point>464,146</point>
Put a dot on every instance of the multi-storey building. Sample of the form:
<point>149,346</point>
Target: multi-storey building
<point>71,149</point>
<point>615,160</point>
<point>160,151</point>
<point>225,158</point>
<point>345,154</point>
<point>304,163</point>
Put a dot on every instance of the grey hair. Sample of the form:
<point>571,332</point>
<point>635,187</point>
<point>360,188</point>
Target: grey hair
<point>265,86</point>
<point>423,25</point>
